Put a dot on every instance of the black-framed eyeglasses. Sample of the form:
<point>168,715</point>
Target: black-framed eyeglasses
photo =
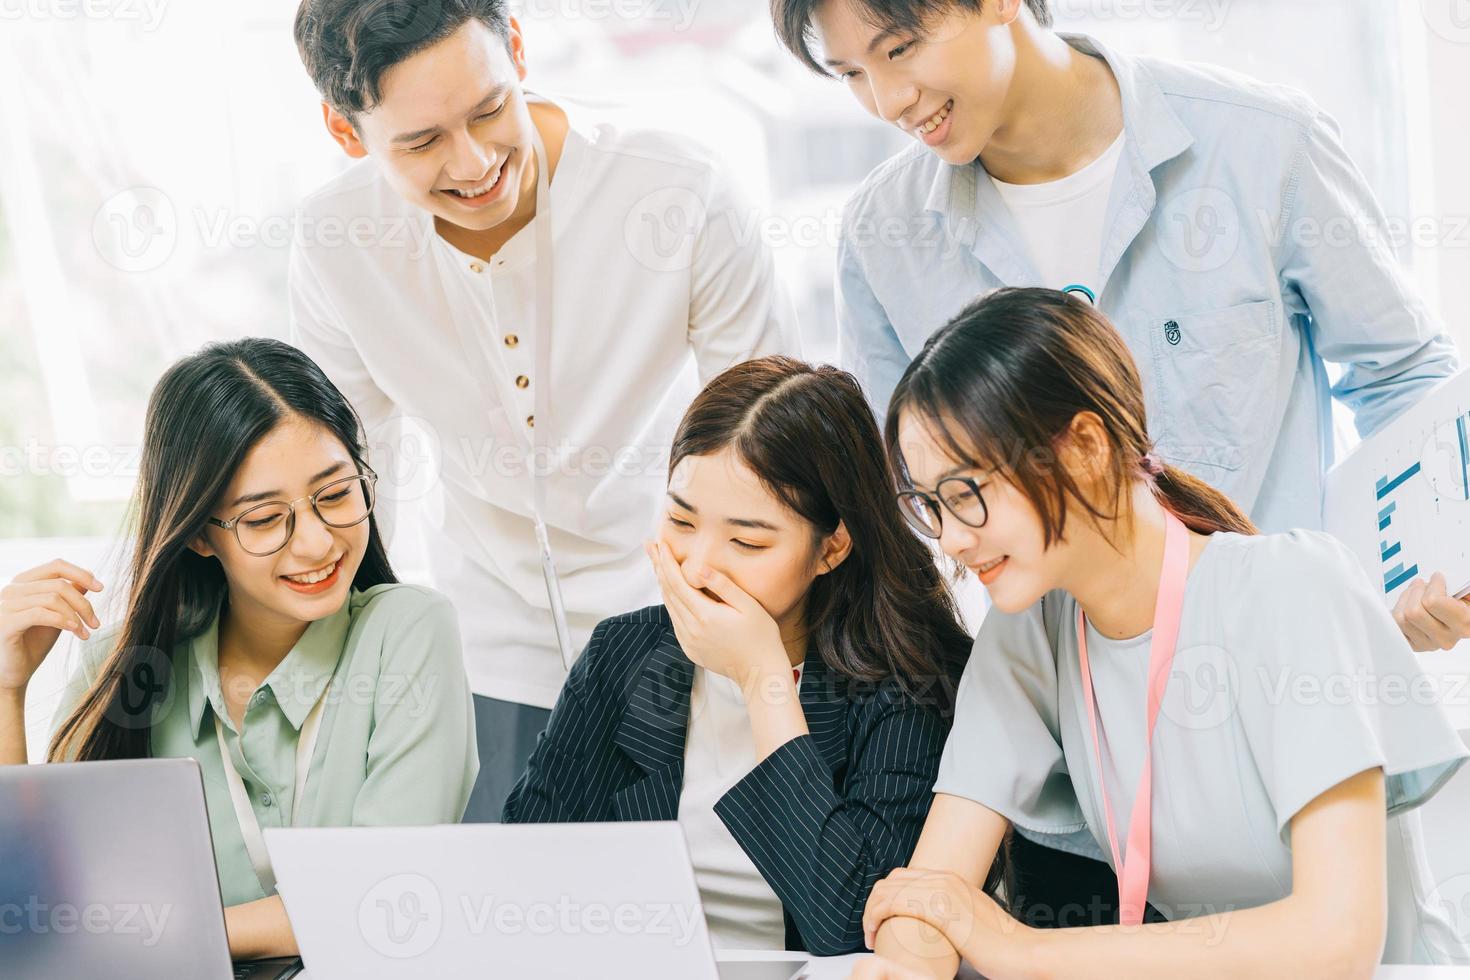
<point>960,495</point>
<point>267,528</point>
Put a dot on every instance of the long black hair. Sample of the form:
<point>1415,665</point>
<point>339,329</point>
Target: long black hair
<point>204,416</point>
<point>809,436</point>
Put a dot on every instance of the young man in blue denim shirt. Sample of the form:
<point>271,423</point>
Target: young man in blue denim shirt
<point>1215,219</point>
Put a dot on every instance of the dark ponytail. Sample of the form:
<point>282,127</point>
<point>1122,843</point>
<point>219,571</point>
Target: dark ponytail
<point>1005,378</point>
<point>1200,506</point>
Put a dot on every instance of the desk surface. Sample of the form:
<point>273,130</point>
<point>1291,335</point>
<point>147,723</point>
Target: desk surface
<point>839,967</point>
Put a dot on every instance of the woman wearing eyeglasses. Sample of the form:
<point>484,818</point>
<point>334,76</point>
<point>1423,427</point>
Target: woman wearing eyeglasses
<point>263,632</point>
<point>1234,721</point>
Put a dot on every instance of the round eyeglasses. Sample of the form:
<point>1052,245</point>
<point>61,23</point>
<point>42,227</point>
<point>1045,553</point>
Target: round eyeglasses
<point>960,495</point>
<point>267,528</point>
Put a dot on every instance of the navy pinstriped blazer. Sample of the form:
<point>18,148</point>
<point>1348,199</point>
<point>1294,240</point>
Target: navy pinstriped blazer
<point>823,818</point>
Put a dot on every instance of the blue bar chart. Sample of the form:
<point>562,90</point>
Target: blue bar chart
<point>1401,500</point>
<point>1460,426</point>
<point>1398,574</point>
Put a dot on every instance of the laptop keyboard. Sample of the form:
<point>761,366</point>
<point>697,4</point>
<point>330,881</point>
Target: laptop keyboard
<point>267,969</point>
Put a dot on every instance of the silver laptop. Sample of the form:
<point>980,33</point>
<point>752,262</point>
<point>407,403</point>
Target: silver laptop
<point>616,901</point>
<point>107,870</point>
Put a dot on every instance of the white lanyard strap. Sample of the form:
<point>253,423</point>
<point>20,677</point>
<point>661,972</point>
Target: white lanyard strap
<point>542,430</point>
<point>245,814</point>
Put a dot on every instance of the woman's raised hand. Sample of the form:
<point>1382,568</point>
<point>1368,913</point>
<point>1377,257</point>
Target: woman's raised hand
<point>719,626</point>
<point>35,609</point>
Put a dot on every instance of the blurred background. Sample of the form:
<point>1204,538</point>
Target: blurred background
<point>151,154</point>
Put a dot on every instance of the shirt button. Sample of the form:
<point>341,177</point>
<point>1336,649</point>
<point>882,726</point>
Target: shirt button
<point>511,340</point>
<point>267,800</point>
<point>476,267</point>
<point>257,699</point>
<point>531,421</point>
<point>523,382</point>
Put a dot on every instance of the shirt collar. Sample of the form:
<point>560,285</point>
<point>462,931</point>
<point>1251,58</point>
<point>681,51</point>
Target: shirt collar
<point>297,682</point>
<point>1150,124</point>
<point>1153,131</point>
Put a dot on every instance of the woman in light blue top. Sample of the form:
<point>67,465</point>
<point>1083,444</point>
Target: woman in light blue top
<point>264,633</point>
<point>1233,721</point>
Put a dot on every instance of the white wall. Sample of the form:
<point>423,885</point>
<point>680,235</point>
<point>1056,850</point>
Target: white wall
<point>1449,82</point>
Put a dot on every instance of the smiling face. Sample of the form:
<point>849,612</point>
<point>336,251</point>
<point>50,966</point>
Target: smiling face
<point>311,576</point>
<point>452,133</point>
<point>718,514</point>
<point>945,85</point>
<point>1008,553</point>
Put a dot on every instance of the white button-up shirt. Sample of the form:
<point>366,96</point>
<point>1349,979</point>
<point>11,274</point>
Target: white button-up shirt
<point>658,286</point>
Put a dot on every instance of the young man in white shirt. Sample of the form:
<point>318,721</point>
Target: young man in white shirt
<point>540,327</point>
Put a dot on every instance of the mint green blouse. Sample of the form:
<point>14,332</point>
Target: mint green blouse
<point>397,739</point>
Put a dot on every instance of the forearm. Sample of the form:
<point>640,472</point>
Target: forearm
<point>1282,939</point>
<point>825,860</point>
<point>775,712</point>
<point>13,727</point>
<point>918,946</point>
<point>537,796</point>
<point>260,929</point>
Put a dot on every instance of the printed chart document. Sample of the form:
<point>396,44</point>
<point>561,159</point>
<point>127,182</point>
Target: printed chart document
<point>1401,500</point>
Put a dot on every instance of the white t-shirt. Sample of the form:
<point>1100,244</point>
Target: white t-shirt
<point>742,910</point>
<point>1061,221</point>
<point>652,279</point>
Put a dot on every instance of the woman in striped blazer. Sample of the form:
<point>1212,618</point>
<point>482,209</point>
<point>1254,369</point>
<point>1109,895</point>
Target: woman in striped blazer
<point>789,701</point>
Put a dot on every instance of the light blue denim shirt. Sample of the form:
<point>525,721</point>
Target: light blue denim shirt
<point>1242,251</point>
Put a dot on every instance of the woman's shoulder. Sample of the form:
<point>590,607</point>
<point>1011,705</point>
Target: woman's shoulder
<point>393,613</point>
<point>90,654</point>
<point>872,701</point>
<point>398,601</point>
<point>647,618</point>
<point>1267,569</point>
<point>624,641</point>
<point>1297,597</point>
<point>1028,633</point>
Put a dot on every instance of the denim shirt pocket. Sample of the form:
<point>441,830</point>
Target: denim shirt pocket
<point>1215,373</point>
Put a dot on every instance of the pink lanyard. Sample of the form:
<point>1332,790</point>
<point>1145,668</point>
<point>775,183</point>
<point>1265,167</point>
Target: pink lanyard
<point>1133,872</point>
